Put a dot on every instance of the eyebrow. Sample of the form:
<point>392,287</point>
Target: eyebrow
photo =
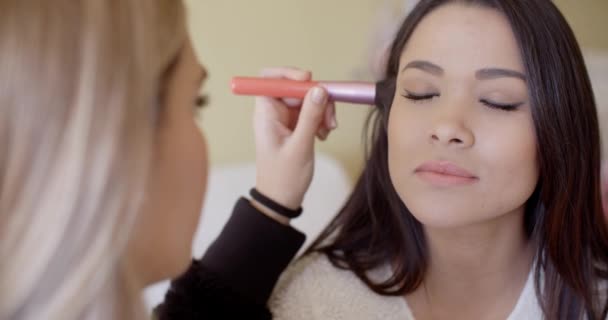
<point>424,66</point>
<point>482,74</point>
<point>493,73</point>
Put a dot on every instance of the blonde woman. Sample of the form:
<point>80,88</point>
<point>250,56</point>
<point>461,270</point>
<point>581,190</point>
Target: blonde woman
<point>103,169</point>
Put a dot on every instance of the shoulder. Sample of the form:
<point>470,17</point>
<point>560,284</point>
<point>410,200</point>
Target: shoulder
<point>314,288</point>
<point>315,266</point>
<point>314,273</point>
<point>296,295</point>
<point>306,280</point>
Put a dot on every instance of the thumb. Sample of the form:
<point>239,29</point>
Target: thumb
<point>311,116</point>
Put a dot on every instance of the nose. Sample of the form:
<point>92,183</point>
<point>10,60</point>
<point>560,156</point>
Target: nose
<point>450,129</point>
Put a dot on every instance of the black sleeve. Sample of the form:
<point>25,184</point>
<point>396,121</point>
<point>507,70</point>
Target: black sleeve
<point>236,275</point>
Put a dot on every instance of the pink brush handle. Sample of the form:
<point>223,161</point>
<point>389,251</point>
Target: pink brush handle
<point>353,92</point>
<point>276,88</point>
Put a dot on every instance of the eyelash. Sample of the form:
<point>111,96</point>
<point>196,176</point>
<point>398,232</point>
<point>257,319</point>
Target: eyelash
<point>201,101</point>
<point>420,98</point>
<point>505,107</point>
<point>417,98</point>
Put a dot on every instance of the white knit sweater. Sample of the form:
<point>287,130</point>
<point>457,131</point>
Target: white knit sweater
<point>313,288</point>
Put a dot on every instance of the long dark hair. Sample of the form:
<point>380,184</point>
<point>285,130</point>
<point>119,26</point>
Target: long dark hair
<point>563,217</point>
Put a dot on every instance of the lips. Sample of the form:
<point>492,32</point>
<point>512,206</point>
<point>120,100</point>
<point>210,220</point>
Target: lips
<point>444,173</point>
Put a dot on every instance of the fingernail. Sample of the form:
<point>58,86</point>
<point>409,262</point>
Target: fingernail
<point>323,134</point>
<point>334,122</point>
<point>319,95</point>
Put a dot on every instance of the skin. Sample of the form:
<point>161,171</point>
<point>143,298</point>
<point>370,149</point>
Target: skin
<point>161,245</point>
<point>474,228</point>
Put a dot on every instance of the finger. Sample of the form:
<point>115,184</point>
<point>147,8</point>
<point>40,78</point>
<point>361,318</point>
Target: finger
<point>269,108</point>
<point>292,102</point>
<point>311,116</point>
<point>330,116</point>
<point>322,133</point>
<point>270,118</point>
<point>329,122</point>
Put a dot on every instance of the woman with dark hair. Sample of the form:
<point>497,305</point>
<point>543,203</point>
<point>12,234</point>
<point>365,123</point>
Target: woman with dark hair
<point>480,198</point>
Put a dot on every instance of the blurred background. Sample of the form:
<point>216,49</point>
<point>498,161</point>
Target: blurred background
<point>337,40</point>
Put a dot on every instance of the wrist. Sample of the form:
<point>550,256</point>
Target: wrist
<point>273,205</point>
<point>281,197</point>
<point>270,213</point>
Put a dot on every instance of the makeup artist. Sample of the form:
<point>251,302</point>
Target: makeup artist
<point>236,275</point>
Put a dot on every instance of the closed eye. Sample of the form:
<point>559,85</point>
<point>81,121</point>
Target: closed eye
<point>500,106</point>
<point>419,97</point>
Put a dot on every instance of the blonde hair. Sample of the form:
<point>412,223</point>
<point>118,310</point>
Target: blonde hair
<point>80,86</point>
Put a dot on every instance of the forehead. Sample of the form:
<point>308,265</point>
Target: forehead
<point>461,37</point>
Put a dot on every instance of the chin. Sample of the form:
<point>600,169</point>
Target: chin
<point>442,215</point>
<point>168,266</point>
<point>180,264</point>
<point>441,220</point>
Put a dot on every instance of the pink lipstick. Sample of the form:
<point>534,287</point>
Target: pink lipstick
<point>444,174</point>
<point>341,91</point>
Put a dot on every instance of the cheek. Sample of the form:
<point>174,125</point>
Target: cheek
<point>200,159</point>
<point>184,202</point>
<point>183,170</point>
<point>509,156</point>
<point>190,177</point>
<point>172,210</point>
<point>406,138</point>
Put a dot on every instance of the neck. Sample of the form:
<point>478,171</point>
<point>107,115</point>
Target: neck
<point>489,261</point>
